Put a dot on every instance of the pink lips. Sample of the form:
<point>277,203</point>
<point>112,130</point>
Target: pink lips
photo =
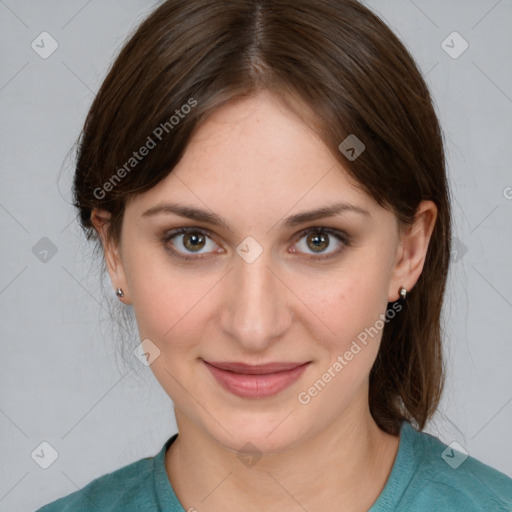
<point>255,381</point>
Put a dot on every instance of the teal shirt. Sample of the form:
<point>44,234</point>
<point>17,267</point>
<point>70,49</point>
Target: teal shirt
<point>427,476</point>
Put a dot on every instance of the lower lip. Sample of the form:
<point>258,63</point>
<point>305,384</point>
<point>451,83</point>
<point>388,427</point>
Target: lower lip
<point>256,386</point>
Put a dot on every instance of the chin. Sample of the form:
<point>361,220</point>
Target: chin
<point>264,432</point>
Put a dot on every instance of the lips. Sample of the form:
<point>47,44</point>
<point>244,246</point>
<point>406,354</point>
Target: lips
<point>259,369</point>
<point>256,381</point>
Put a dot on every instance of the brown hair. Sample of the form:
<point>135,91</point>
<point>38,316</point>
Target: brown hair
<point>333,61</point>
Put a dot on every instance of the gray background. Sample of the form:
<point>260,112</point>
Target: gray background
<point>60,379</point>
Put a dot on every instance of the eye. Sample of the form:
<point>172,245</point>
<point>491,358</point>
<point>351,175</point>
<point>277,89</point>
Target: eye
<point>189,241</point>
<point>318,240</point>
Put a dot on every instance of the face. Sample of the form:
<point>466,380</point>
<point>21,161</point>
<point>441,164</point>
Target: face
<point>262,285</point>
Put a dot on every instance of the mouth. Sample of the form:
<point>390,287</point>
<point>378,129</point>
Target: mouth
<point>256,381</point>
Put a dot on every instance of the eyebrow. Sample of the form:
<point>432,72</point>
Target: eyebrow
<point>190,212</point>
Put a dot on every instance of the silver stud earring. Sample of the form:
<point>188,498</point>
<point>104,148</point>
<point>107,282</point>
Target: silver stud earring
<point>120,293</point>
<point>403,293</point>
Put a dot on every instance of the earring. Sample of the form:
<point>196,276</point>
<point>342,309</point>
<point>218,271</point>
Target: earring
<point>403,293</point>
<point>120,293</point>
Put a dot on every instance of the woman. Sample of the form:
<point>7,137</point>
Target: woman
<point>267,182</point>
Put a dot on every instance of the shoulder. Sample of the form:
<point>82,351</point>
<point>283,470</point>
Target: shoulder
<point>447,478</point>
<point>130,485</point>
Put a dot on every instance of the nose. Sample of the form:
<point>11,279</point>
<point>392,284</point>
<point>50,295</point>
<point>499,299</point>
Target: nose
<point>255,312</point>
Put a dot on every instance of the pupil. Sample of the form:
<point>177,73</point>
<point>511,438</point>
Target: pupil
<point>194,241</point>
<point>320,242</point>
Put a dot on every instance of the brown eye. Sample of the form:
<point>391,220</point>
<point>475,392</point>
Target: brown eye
<point>187,241</point>
<point>318,242</point>
<point>194,241</point>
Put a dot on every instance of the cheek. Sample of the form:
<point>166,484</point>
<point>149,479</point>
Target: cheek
<point>347,303</point>
<point>354,309</point>
<point>168,303</point>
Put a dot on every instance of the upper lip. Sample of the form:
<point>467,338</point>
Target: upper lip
<point>255,369</point>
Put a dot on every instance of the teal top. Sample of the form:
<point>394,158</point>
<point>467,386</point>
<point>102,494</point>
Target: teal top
<point>426,476</point>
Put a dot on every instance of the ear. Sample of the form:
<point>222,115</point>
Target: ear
<point>100,219</point>
<point>412,250</point>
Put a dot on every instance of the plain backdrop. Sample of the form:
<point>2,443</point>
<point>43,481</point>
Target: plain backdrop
<point>60,379</point>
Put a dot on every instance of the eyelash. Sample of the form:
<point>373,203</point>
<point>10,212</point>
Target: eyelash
<point>340,235</point>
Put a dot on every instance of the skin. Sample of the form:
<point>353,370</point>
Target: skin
<point>255,163</point>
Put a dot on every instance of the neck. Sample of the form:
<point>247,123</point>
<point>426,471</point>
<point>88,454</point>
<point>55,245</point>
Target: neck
<point>346,463</point>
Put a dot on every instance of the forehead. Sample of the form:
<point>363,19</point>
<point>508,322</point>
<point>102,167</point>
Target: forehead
<point>256,157</point>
